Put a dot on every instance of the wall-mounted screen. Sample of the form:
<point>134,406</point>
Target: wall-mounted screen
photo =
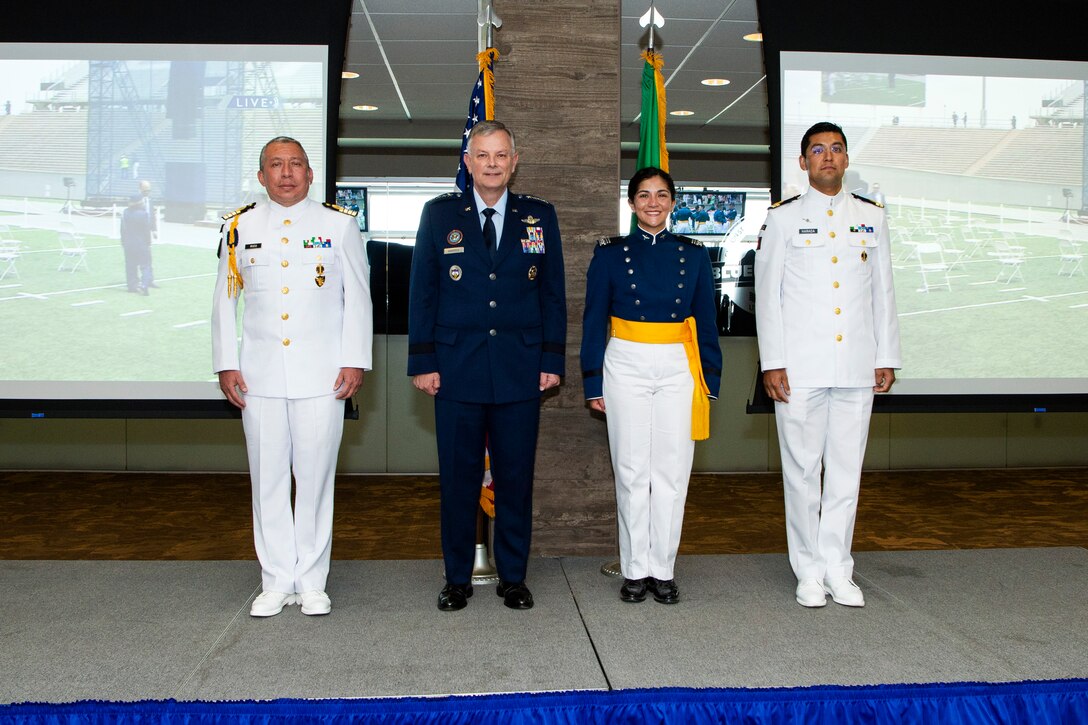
<point>116,162</point>
<point>981,165</point>
<point>353,198</point>
<point>707,212</point>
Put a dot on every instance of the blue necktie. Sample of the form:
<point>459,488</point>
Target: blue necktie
<point>490,239</point>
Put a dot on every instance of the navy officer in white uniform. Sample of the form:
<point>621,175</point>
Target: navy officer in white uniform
<point>651,362</point>
<point>828,340</point>
<point>306,340</point>
<point>487,326</point>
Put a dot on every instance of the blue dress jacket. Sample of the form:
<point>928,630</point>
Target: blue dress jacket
<point>488,327</point>
<point>648,278</point>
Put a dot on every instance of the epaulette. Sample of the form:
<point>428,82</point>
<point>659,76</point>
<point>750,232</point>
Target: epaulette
<point>605,241</point>
<point>535,198</point>
<point>448,195</point>
<point>240,210</point>
<point>337,207</point>
<point>784,201</point>
<point>859,197</point>
<point>688,240</point>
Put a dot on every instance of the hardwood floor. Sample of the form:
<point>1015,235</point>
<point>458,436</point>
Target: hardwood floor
<point>61,515</point>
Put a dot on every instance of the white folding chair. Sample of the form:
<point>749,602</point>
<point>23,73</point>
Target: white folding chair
<point>1070,256</point>
<point>1011,259</point>
<point>73,251</point>
<point>9,255</point>
<point>932,266</point>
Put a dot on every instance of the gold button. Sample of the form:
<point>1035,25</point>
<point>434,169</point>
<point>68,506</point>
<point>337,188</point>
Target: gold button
<point>830,213</point>
<point>252,260</point>
<point>834,260</point>
<point>287,341</point>
<point>832,235</point>
<point>833,284</point>
<point>287,222</point>
<point>838,310</point>
<point>808,241</point>
<point>285,290</point>
<point>838,338</point>
<point>283,263</point>
<point>284,316</point>
<point>863,242</point>
<point>285,240</point>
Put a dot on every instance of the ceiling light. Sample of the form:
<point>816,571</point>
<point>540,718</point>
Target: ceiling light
<point>714,82</point>
<point>681,113</point>
<point>365,108</point>
<point>349,74</point>
<point>754,37</point>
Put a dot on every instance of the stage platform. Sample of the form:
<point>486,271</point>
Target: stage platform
<point>158,630</point>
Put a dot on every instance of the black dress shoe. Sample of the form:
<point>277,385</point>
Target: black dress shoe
<point>664,591</point>
<point>633,590</point>
<point>515,596</point>
<point>454,597</point>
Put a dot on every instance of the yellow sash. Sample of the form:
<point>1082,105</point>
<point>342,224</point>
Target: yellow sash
<point>666,332</point>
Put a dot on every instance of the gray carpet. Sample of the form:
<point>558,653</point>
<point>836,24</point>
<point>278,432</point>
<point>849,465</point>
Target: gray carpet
<point>152,630</point>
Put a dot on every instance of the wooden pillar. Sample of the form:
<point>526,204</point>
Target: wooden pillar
<point>557,85</point>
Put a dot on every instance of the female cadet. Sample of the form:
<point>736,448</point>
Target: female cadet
<point>651,360</point>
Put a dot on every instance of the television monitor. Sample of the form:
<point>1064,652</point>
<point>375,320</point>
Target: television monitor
<point>706,212</point>
<point>353,197</point>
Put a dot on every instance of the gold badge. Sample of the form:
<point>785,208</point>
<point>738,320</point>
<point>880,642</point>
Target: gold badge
<point>320,278</point>
<point>455,273</point>
<point>532,272</point>
<point>864,256</point>
<point>530,220</point>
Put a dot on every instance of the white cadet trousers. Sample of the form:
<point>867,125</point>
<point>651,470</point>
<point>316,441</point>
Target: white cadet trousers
<point>300,435</point>
<point>822,430</point>
<point>647,397</point>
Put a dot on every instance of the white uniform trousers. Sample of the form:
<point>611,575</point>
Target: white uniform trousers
<point>822,430</point>
<point>647,397</point>
<point>300,435</point>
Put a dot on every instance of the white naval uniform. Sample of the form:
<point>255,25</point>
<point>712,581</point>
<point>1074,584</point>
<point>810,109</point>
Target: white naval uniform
<point>296,336</point>
<point>825,311</point>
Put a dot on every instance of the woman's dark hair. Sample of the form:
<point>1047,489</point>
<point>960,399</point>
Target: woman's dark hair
<point>648,172</point>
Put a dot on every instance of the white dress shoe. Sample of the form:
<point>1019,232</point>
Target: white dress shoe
<point>810,593</point>
<point>844,591</point>
<point>269,604</point>
<point>315,602</point>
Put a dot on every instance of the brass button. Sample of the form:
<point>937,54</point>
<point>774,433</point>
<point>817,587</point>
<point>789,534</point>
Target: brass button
<point>863,242</point>
<point>830,213</point>
<point>285,290</point>
<point>838,310</point>
<point>285,240</point>
<point>834,260</point>
<point>838,338</point>
<point>835,285</point>
<point>284,316</point>
<point>286,341</point>
<point>287,222</point>
<point>832,235</point>
<point>283,263</point>
<point>252,260</point>
<point>808,241</point>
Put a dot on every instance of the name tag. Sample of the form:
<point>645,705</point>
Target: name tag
<point>453,250</point>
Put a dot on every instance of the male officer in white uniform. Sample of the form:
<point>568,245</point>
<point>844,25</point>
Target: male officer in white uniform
<point>828,339</point>
<point>306,340</point>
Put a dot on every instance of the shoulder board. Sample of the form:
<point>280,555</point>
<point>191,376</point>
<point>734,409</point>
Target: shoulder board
<point>240,210</point>
<point>534,198</point>
<point>447,196</point>
<point>784,201</point>
<point>605,241</point>
<point>688,240</point>
<point>337,207</point>
<point>867,200</point>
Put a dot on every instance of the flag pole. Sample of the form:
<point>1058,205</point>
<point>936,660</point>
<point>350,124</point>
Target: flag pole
<point>483,571</point>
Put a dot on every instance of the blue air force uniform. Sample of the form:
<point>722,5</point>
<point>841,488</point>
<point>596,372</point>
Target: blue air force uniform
<point>489,327</point>
<point>647,387</point>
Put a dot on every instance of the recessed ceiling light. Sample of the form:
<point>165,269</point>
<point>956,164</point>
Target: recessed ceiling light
<point>349,74</point>
<point>714,82</point>
<point>681,113</point>
<point>754,37</point>
<point>365,108</point>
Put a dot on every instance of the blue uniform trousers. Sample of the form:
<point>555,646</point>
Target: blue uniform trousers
<point>511,431</point>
